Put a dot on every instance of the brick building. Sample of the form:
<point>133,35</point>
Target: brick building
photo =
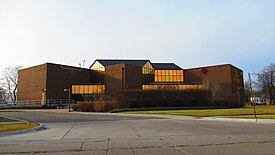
<point>105,78</point>
<point>224,81</point>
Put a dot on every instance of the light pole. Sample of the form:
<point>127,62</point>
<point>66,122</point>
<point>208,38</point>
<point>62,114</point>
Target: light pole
<point>69,91</point>
<point>43,99</point>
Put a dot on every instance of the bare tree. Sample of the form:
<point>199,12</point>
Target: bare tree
<point>10,79</point>
<point>266,81</point>
<point>2,94</point>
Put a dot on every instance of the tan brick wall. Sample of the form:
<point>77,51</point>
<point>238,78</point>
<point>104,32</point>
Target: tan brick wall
<point>31,81</point>
<point>54,78</point>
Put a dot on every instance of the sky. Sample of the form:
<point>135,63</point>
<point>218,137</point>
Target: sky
<point>190,33</point>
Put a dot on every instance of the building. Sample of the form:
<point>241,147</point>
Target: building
<point>224,81</point>
<point>107,77</point>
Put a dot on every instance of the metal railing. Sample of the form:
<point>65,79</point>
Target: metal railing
<point>37,103</point>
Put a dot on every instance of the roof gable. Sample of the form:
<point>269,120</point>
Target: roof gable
<point>109,62</point>
<point>166,66</point>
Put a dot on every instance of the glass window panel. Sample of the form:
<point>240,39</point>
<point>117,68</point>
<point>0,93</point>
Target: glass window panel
<point>167,78</point>
<point>174,72</point>
<point>162,78</point>
<point>86,89</point>
<point>179,78</point>
<point>77,89</point>
<point>81,89</point>
<point>156,78</point>
<point>99,89</point>
<point>158,72</point>
<point>170,72</point>
<point>173,78</point>
<point>73,89</point>
<point>90,89</point>
<point>102,89</point>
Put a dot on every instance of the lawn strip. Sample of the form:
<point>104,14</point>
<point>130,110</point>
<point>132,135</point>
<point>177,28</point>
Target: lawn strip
<point>3,119</point>
<point>265,111</point>
<point>16,127</point>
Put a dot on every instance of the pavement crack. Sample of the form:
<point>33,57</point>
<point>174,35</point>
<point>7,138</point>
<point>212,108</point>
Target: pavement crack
<point>181,150</point>
<point>108,146</point>
<point>134,151</point>
<point>133,130</point>
<point>69,130</point>
<point>175,147</point>
<point>81,147</point>
<point>28,142</point>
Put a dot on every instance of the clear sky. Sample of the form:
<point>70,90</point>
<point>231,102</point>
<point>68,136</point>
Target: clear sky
<point>191,33</point>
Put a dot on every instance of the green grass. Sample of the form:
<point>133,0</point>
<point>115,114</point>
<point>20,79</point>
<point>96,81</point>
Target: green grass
<point>163,108</point>
<point>16,127</point>
<point>3,119</point>
<point>246,112</point>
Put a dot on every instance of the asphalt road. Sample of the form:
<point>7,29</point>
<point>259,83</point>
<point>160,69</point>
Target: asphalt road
<point>73,133</point>
<point>61,116</point>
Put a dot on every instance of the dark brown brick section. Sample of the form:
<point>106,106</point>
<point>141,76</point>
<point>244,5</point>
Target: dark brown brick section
<point>60,77</point>
<point>54,78</point>
<point>116,74</point>
<point>225,81</point>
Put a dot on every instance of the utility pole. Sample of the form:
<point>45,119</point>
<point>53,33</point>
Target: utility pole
<point>69,94</point>
<point>251,94</point>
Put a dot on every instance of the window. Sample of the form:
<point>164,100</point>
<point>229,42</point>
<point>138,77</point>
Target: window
<point>98,67</point>
<point>168,75</point>
<point>88,89</point>
<point>147,68</point>
<point>173,87</point>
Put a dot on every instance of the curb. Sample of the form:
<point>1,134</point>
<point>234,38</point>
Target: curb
<point>19,121</point>
<point>272,121</point>
<point>40,127</point>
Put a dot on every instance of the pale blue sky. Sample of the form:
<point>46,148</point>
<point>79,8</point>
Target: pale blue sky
<point>190,33</point>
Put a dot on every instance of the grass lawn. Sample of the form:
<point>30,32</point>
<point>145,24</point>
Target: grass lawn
<point>15,127</point>
<point>267,112</point>
<point>2,119</point>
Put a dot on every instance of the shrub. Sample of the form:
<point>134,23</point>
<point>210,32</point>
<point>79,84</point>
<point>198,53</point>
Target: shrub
<point>162,98</point>
<point>96,106</point>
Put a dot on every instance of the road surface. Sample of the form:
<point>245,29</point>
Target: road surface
<point>107,134</point>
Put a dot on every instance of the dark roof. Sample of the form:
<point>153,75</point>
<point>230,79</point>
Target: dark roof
<point>214,66</point>
<point>166,66</point>
<point>109,62</point>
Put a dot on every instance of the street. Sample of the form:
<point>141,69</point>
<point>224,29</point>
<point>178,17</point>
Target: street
<point>76,133</point>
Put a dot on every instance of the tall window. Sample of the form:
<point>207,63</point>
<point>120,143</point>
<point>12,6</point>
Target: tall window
<point>168,75</point>
<point>98,67</point>
<point>147,68</point>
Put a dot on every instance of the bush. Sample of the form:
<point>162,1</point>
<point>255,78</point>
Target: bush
<point>96,106</point>
<point>164,98</point>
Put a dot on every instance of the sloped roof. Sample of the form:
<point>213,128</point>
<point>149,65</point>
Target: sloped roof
<point>109,62</point>
<point>166,66</point>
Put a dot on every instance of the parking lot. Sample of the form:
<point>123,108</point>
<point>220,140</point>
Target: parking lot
<point>99,133</point>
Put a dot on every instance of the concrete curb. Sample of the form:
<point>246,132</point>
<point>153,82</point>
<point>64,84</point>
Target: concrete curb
<point>186,117</point>
<point>19,121</point>
<point>40,127</point>
<point>272,121</point>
